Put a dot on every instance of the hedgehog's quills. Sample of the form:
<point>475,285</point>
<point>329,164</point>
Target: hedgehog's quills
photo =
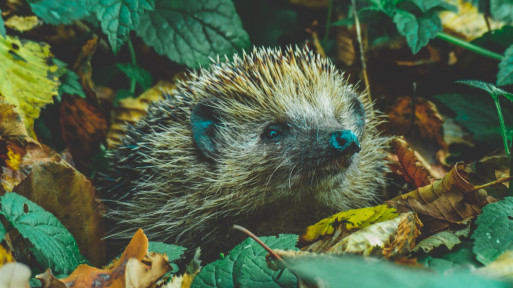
<point>274,140</point>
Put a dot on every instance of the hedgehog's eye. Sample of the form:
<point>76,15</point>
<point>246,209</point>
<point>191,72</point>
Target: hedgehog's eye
<point>274,132</point>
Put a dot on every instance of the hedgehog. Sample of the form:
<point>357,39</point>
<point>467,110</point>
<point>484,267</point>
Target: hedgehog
<point>273,140</point>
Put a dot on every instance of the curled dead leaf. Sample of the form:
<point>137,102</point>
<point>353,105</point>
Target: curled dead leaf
<point>410,165</point>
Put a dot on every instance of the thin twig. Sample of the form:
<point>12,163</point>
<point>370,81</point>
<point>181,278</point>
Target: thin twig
<point>498,181</point>
<point>254,237</point>
<point>362,53</point>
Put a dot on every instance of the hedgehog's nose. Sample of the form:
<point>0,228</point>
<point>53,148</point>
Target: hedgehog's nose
<point>345,142</point>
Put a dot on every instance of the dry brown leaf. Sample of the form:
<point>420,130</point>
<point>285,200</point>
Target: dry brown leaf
<point>410,164</point>
<point>135,268</point>
<point>416,117</point>
<point>130,110</point>
<point>70,196</point>
<point>446,201</point>
<point>83,67</point>
<point>83,128</point>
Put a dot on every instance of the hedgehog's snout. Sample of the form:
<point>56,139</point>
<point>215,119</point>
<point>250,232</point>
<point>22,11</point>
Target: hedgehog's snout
<point>345,142</point>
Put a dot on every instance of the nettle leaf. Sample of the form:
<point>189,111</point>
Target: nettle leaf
<point>119,17</point>
<point>245,266</point>
<point>502,10</point>
<point>417,30</point>
<point>191,32</point>
<point>53,246</point>
<point>326,271</point>
<point>59,11</point>
<point>2,25</point>
<point>494,232</point>
<point>137,73</point>
<point>505,74</point>
<point>70,84</point>
<point>488,87</point>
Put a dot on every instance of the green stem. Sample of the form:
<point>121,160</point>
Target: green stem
<point>501,120</point>
<point>469,46</point>
<point>132,58</point>
<point>328,24</point>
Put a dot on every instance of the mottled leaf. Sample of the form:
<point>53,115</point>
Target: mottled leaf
<point>346,222</point>
<point>53,245</point>
<point>191,32</point>
<point>26,78</point>
<point>59,11</point>
<point>390,238</point>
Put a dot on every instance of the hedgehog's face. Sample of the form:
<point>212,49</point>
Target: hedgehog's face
<point>305,143</point>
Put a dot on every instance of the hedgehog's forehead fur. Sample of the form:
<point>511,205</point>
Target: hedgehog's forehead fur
<point>271,84</point>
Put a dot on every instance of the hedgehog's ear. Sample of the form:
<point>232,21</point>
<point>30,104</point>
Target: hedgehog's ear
<point>204,123</point>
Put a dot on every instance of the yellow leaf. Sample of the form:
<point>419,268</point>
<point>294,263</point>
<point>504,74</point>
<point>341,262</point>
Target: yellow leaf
<point>391,238</point>
<point>349,221</point>
<point>5,256</point>
<point>26,79</point>
<point>468,21</point>
<point>132,109</point>
<point>22,23</point>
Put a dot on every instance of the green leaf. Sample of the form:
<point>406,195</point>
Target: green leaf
<point>190,32</point>
<point>505,74</point>
<point>53,246</point>
<point>137,73</point>
<point>448,239</point>
<point>70,84</point>
<point>502,10</point>
<point>173,252</point>
<point>119,17</point>
<point>326,271</point>
<point>434,5</point>
<point>59,11</point>
<point>460,257</point>
<point>478,114</point>
<point>245,266</point>
<point>494,232</point>
<point>488,87</point>
<point>417,30</point>
<point>2,25</point>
